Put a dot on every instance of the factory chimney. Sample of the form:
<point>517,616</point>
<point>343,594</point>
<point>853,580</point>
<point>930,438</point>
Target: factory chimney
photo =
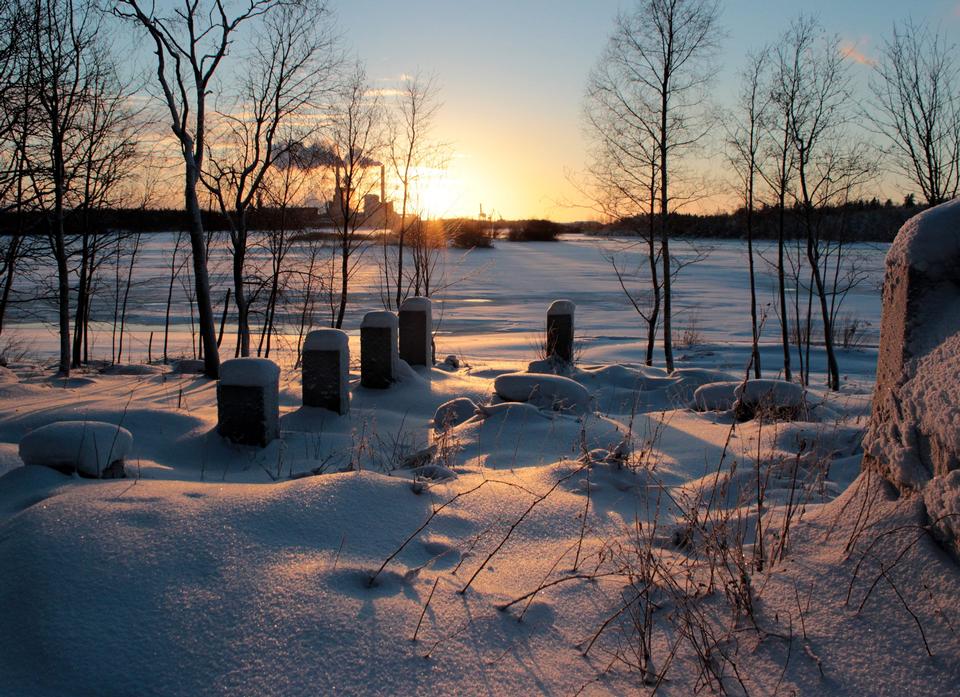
<point>383,185</point>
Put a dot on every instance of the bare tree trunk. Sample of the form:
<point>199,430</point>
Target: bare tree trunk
<point>665,238</point>
<point>208,337</point>
<point>782,290</point>
<point>126,293</point>
<point>753,285</point>
<point>654,318</point>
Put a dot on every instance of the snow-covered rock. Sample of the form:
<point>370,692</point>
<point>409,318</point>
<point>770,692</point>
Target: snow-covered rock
<point>546,391</point>
<point>775,398</point>
<point>91,448</point>
<point>454,413</point>
<point>715,396</point>
<point>914,432</point>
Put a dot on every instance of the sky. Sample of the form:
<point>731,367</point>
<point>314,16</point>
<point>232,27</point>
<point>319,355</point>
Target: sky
<point>513,75</point>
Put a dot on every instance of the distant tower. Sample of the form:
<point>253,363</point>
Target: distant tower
<point>383,184</point>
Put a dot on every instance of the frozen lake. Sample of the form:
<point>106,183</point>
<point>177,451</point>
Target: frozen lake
<point>490,303</point>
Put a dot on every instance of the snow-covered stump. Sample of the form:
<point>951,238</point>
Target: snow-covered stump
<point>378,349</point>
<point>89,448</point>
<point>326,368</point>
<point>248,401</point>
<point>914,435</point>
<point>560,330</point>
<point>416,331</point>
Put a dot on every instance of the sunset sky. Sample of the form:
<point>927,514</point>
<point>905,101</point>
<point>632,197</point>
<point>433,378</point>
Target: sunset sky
<point>513,75</point>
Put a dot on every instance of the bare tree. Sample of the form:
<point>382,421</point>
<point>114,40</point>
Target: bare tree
<point>778,177</point>
<point>812,90</point>
<point>916,107</point>
<point>411,150</point>
<point>355,143</point>
<point>190,43</point>
<point>744,142</point>
<point>663,48</point>
<point>76,150</point>
<point>623,174</point>
<point>289,69</point>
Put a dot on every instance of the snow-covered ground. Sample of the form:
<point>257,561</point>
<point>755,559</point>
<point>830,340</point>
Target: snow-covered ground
<point>605,549</point>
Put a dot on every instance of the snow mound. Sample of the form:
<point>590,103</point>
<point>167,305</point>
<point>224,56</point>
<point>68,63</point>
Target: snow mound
<point>131,369</point>
<point>546,391</point>
<point>518,434</point>
<point>715,396</point>
<point>776,398</point>
<point>187,366</point>
<point>89,447</point>
<point>562,307</point>
<point>777,394</point>
<point>7,376</point>
<point>454,413</point>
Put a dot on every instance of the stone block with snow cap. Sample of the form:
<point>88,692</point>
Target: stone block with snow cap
<point>326,370</point>
<point>248,401</point>
<point>416,331</point>
<point>379,359</point>
<point>89,448</point>
<point>560,330</point>
<point>914,431</point>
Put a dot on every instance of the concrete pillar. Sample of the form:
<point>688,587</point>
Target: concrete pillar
<point>326,370</point>
<point>416,331</point>
<point>248,401</point>
<point>560,330</point>
<point>378,349</point>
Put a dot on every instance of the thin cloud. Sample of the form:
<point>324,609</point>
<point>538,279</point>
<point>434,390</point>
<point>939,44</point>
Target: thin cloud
<point>851,51</point>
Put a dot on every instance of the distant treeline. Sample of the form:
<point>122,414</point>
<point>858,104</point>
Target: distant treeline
<point>858,221</point>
